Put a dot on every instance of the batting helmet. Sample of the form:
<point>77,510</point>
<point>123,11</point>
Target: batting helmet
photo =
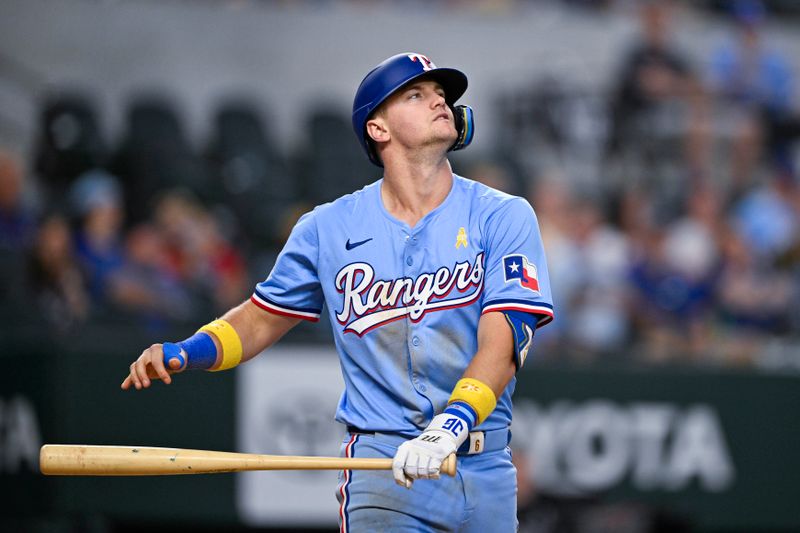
<point>394,73</point>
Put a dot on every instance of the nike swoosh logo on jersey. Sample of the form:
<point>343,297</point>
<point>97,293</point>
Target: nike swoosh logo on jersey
<point>350,245</point>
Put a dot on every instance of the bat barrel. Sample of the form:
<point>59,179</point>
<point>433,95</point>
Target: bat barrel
<point>84,460</point>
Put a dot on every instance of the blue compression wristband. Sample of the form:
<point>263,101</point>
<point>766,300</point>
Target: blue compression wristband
<point>201,352</point>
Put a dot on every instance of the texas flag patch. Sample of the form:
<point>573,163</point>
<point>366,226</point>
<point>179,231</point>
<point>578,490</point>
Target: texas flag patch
<point>517,267</point>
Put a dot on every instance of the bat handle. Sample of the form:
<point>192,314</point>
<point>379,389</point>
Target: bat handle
<point>449,465</point>
<point>172,351</point>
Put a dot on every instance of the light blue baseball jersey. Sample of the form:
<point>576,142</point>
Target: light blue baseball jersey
<point>405,302</point>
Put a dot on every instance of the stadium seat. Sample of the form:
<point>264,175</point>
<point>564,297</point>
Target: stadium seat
<point>249,177</point>
<point>69,140</point>
<point>154,156</point>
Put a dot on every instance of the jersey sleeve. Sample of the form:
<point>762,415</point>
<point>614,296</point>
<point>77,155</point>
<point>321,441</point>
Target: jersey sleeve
<point>516,276</point>
<point>293,288</point>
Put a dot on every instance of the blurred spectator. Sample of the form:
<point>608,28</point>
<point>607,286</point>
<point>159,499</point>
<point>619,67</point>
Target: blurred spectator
<point>599,322</point>
<point>588,260</point>
<point>175,214</point>
<point>551,200</point>
<point>652,71</point>
<point>756,84</point>
<point>690,243</point>
<point>658,111</point>
<point>767,219</point>
<point>747,71</point>
<point>571,129</point>
<point>198,253</point>
<point>754,299</point>
<point>56,280</point>
<point>691,249</point>
<point>760,280</point>
<point>97,203</point>
<point>17,219</point>
<point>144,287</point>
<point>673,280</point>
<point>228,273</point>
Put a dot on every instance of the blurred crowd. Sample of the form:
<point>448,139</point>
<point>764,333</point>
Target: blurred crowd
<point>148,233</point>
<point>669,204</point>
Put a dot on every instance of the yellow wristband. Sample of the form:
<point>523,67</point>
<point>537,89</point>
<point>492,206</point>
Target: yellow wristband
<point>478,395</point>
<point>229,340</point>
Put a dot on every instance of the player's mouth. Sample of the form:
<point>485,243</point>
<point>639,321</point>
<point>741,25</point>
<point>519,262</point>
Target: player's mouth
<point>442,115</point>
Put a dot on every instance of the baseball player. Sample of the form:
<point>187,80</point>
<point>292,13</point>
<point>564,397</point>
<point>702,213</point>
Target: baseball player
<point>434,284</point>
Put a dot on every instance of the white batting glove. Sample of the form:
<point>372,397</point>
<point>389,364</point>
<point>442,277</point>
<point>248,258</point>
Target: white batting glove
<point>421,458</point>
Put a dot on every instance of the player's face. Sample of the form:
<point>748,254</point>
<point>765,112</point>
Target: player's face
<point>418,116</point>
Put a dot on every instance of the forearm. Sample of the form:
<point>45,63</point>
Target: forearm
<point>493,364</point>
<point>257,329</point>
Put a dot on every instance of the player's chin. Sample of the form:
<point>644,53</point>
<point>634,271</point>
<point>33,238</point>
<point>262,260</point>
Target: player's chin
<point>445,133</point>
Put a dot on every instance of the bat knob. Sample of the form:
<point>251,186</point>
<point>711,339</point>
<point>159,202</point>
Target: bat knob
<point>172,351</point>
<point>449,465</point>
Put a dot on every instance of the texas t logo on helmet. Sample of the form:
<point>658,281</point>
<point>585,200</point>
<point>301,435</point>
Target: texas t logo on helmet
<point>393,74</point>
<point>427,64</point>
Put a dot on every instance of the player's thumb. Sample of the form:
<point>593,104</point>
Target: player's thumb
<point>173,356</point>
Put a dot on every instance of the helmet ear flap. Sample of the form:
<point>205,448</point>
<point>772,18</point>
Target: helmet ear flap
<point>465,126</point>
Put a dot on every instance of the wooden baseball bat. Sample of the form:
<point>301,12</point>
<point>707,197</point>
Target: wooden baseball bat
<point>85,460</point>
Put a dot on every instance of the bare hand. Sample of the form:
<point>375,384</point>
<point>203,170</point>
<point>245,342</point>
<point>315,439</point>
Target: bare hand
<point>149,366</point>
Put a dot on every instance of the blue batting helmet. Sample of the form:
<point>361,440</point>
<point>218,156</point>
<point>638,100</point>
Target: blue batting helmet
<point>394,73</point>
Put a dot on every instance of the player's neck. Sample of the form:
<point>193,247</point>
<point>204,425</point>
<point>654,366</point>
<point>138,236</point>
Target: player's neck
<point>410,192</point>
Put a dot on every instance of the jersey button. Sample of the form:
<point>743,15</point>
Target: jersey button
<point>409,261</point>
<point>415,341</point>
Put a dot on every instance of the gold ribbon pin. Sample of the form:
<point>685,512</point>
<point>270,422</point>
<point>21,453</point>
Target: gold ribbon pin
<point>461,238</point>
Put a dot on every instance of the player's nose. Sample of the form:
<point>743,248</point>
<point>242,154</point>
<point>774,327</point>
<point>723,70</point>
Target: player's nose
<point>438,99</point>
<point>438,103</point>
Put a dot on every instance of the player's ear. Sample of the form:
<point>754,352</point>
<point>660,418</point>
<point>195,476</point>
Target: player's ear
<point>377,130</point>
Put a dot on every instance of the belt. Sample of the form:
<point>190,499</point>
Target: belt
<point>478,441</point>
